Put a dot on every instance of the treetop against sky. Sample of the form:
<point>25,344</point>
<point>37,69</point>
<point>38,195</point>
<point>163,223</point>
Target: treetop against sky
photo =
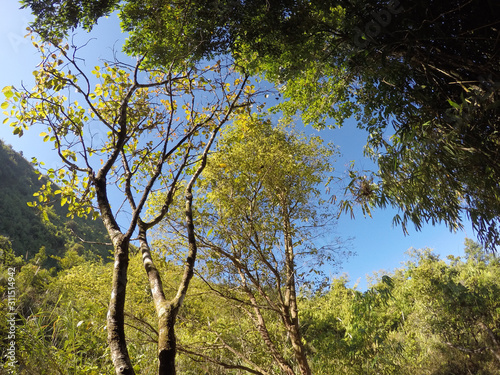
<point>22,61</point>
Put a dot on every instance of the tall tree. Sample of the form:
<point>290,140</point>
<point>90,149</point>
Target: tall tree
<point>262,212</point>
<point>132,125</point>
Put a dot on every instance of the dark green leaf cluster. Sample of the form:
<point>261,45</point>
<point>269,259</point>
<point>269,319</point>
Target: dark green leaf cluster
<point>55,19</point>
<point>166,31</point>
<point>425,74</point>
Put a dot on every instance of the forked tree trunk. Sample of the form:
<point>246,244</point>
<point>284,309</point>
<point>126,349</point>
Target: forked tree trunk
<point>166,311</point>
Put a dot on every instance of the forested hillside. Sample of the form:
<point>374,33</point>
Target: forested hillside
<point>25,226</point>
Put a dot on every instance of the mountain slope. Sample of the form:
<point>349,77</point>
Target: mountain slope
<point>24,225</point>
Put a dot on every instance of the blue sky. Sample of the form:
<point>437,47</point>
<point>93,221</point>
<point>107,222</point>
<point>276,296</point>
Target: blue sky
<point>379,245</point>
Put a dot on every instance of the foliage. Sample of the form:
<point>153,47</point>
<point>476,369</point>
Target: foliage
<point>428,69</point>
<point>7,255</point>
<point>56,18</point>
<point>27,229</point>
<point>429,81</point>
<point>434,78</point>
<point>260,174</point>
<point>193,30</point>
<point>57,324</point>
<point>117,89</point>
<point>430,317</point>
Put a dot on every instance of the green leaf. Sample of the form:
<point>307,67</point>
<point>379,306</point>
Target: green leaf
<point>453,104</point>
<point>4,105</point>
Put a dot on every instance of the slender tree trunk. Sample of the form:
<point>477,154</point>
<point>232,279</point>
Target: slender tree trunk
<point>263,331</point>
<point>291,316</point>
<point>116,316</point>
<point>165,310</point>
<point>167,343</point>
<point>116,309</point>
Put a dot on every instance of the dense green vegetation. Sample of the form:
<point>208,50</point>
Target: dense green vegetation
<point>232,282</point>
<point>26,227</point>
<point>432,316</point>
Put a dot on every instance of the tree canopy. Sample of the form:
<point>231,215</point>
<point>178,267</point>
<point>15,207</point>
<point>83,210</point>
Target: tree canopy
<point>426,75</point>
<point>260,215</point>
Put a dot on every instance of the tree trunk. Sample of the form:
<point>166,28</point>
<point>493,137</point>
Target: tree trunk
<point>291,316</point>
<point>116,309</point>
<point>165,311</point>
<point>167,344</point>
<point>116,316</point>
<point>261,323</point>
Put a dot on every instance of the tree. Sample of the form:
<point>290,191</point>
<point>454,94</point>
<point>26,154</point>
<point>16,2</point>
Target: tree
<point>261,215</point>
<point>430,70</point>
<point>134,123</point>
<point>429,317</point>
